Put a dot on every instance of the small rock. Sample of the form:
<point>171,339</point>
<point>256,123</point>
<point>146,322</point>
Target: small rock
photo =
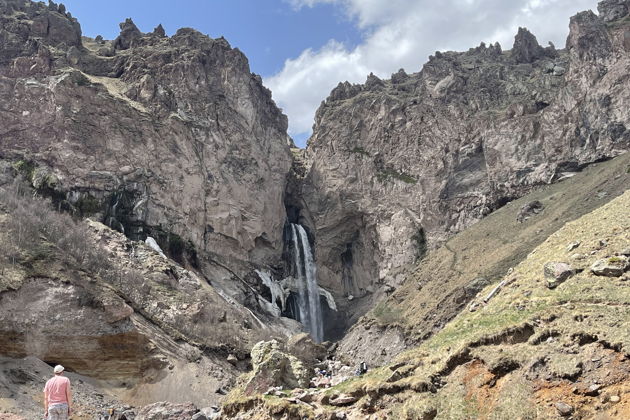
<point>395,376</point>
<point>556,273</point>
<point>615,399</point>
<point>199,416</point>
<point>305,396</point>
<point>343,399</point>
<point>564,409</point>
<point>610,267</point>
<point>232,359</point>
<point>558,71</point>
<point>593,390</point>
<point>625,252</point>
<point>428,413</point>
<point>549,67</point>
<point>573,245</point>
<point>529,210</point>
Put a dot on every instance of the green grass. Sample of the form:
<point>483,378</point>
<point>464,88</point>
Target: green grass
<point>26,168</point>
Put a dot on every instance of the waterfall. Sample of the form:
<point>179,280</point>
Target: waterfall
<point>308,290</point>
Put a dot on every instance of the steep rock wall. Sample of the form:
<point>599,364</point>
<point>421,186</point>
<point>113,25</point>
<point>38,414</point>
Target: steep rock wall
<point>398,166</point>
<point>168,137</point>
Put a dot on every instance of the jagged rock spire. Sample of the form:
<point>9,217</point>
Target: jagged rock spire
<point>129,32</point>
<point>159,31</point>
<point>526,48</point>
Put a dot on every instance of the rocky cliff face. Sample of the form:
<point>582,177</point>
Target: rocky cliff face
<point>172,138</point>
<point>165,137</point>
<point>398,166</point>
<point>83,295</point>
<point>540,345</point>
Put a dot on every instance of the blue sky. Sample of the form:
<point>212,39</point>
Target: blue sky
<point>304,48</point>
<point>267,31</point>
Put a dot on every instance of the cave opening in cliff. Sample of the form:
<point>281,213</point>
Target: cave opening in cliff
<point>292,308</point>
<point>346,271</point>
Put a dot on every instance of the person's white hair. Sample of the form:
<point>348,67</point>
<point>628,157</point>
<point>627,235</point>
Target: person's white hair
<point>58,369</point>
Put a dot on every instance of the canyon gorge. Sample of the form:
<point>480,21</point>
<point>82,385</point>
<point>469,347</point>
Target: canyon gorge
<point>164,239</point>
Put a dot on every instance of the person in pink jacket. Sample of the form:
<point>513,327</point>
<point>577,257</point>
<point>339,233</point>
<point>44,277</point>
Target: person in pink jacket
<point>57,396</point>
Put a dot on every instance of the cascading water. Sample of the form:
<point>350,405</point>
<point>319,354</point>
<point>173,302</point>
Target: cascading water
<point>308,290</point>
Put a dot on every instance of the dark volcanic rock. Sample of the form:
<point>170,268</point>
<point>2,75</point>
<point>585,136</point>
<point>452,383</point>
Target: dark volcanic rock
<point>526,48</point>
<point>588,39</point>
<point>129,33</point>
<point>159,31</point>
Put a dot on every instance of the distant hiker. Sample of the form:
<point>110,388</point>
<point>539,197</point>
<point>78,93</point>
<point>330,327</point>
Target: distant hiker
<point>362,369</point>
<point>57,396</point>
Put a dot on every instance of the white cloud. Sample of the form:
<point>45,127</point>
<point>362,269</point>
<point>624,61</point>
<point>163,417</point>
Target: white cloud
<point>402,34</point>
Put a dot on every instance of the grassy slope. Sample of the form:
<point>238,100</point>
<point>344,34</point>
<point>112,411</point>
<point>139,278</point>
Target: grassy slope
<point>529,347</point>
<point>434,292</point>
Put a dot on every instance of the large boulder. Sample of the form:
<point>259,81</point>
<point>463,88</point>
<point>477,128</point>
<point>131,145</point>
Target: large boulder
<point>273,367</point>
<point>611,267</point>
<point>528,210</point>
<point>556,273</point>
<point>304,348</point>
